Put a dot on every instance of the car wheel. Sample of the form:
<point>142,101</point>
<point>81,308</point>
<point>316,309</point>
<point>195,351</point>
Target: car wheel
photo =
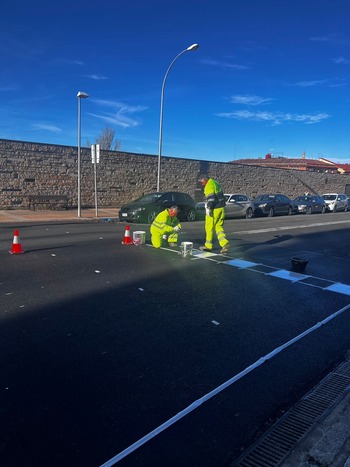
<point>191,215</point>
<point>290,211</point>
<point>335,209</point>
<point>151,216</point>
<point>271,212</point>
<point>249,213</point>
<point>346,208</point>
<point>323,210</point>
<point>309,210</point>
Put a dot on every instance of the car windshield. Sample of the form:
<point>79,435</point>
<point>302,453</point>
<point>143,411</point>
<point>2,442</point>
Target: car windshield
<point>148,198</point>
<point>302,198</point>
<point>329,197</point>
<point>264,198</point>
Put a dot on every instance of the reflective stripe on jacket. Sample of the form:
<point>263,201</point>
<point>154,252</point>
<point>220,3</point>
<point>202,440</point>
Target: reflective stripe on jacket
<point>164,223</point>
<point>214,196</point>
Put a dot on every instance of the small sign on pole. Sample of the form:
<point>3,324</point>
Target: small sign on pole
<point>97,153</point>
<point>95,158</point>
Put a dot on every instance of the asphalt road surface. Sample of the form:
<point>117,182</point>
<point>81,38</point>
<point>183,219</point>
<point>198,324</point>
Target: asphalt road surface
<point>113,350</point>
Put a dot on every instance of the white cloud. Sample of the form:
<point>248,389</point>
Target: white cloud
<point>331,83</point>
<point>333,38</point>
<point>305,84</point>
<point>321,38</point>
<point>121,113</point>
<point>249,99</point>
<point>9,88</point>
<point>341,61</point>
<point>44,126</point>
<point>118,119</point>
<point>275,118</point>
<point>63,61</point>
<point>97,77</point>
<point>224,64</point>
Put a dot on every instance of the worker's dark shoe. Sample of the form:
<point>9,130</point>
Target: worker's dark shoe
<point>172,244</point>
<point>225,248</point>
<point>204,248</point>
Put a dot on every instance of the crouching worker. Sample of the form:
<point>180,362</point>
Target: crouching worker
<point>165,226</point>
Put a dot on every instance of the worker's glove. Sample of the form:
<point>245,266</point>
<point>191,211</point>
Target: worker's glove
<point>177,228</point>
<point>165,237</point>
<point>208,212</point>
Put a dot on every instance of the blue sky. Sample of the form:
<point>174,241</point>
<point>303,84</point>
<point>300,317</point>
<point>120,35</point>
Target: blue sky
<point>268,76</point>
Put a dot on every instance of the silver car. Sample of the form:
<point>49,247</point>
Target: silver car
<point>238,206</point>
<point>310,204</point>
<point>336,202</point>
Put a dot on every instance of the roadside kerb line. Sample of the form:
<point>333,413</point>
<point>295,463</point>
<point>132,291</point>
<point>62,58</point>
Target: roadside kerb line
<point>217,390</point>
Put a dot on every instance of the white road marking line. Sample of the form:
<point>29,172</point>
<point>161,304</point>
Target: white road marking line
<point>280,273</point>
<point>291,227</point>
<point>240,263</point>
<point>340,288</point>
<point>217,390</point>
<point>289,275</point>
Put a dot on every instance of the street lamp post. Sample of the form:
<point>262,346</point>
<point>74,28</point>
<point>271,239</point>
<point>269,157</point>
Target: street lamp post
<point>190,48</point>
<point>80,95</point>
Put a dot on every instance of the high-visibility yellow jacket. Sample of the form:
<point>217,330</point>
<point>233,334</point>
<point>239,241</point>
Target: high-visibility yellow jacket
<point>214,195</point>
<point>164,224</point>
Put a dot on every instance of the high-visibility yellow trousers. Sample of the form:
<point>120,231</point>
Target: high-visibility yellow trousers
<point>157,237</point>
<point>215,223</point>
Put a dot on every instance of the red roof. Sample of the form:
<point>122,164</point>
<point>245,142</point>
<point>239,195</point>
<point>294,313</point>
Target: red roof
<point>297,164</point>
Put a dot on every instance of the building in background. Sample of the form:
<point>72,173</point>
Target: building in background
<point>312,165</point>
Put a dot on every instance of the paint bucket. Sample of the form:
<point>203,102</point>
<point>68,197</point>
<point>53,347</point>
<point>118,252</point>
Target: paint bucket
<point>186,249</point>
<point>139,237</point>
<point>299,264</point>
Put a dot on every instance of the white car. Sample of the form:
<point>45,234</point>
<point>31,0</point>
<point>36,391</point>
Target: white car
<point>336,201</point>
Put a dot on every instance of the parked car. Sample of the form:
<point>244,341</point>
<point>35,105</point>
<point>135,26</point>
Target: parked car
<point>310,204</point>
<point>146,208</point>
<point>238,206</point>
<point>336,202</point>
<point>273,204</point>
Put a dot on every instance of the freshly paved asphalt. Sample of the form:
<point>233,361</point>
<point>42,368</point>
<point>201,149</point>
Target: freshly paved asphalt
<point>327,445</point>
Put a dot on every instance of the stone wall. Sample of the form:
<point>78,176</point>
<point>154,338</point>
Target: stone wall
<point>35,168</point>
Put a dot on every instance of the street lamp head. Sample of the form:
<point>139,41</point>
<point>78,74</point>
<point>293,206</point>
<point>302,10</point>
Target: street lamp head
<point>82,95</point>
<point>193,47</point>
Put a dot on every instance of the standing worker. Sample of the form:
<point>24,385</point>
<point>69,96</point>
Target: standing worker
<point>165,226</point>
<point>214,214</point>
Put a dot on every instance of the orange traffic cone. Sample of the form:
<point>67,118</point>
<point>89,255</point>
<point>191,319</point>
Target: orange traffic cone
<point>127,238</point>
<point>16,245</point>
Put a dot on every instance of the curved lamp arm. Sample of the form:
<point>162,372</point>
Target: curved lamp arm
<point>190,48</point>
